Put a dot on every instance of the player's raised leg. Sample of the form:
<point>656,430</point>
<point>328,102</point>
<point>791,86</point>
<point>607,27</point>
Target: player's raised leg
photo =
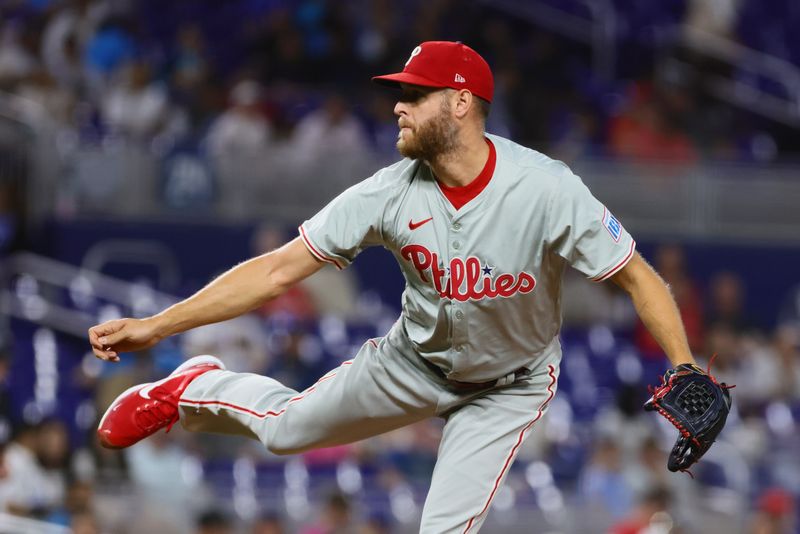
<point>480,442</point>
<point>375,392</point>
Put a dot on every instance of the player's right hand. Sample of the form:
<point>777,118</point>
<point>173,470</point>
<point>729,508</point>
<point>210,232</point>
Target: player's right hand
<point>111,338</point>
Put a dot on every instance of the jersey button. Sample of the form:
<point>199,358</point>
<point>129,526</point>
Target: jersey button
<point>456,245</point>
<point>456,226</point>
<point>459,314</point>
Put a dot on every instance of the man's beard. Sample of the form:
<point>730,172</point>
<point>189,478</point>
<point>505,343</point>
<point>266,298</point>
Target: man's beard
<point>431,139</point>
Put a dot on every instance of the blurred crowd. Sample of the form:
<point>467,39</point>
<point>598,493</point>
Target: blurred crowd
<point>230,106</point>
<point>239,78</point>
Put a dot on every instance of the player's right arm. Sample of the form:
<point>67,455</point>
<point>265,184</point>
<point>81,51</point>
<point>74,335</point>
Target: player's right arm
<point>239,290</point>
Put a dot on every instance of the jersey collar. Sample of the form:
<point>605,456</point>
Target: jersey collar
<point>460,195</point>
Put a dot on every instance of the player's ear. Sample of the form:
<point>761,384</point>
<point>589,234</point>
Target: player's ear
<point>463,103</point>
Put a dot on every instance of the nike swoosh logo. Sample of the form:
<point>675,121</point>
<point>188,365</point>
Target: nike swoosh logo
<point>145,391</point>
<point>414,225</point>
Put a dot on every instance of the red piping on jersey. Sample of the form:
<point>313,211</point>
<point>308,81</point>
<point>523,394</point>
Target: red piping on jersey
<point>319,255</point>
<point>268,413</point>
<point>512,454</point>
<point>620,265</point>
<point>460,195</point>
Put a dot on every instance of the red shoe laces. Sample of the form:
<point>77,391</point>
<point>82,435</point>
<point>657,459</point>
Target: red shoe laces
<point>154,414</point>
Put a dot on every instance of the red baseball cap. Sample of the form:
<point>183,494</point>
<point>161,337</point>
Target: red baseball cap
<point>445,64</point>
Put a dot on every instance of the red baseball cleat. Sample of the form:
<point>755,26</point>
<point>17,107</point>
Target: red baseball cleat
<point>145,409</point>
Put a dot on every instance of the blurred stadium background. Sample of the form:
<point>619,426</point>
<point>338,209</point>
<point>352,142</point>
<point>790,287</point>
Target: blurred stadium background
<point>147,145</point>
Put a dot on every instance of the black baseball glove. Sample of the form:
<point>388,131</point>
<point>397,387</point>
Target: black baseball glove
<point>698,405</point>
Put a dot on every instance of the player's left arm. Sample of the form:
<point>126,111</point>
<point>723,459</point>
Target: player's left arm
<point>656,307</point>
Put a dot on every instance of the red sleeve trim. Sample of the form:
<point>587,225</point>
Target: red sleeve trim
<point>316,253</point>
<point>618,266</point>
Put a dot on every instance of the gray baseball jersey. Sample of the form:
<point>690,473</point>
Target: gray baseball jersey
<point>482,300</point>
<point>483,282</point>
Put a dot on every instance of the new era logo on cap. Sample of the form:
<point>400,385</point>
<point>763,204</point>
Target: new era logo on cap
<point>445,64</point>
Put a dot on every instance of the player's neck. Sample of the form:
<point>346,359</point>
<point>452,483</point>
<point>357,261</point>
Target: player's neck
<point>459,167</point>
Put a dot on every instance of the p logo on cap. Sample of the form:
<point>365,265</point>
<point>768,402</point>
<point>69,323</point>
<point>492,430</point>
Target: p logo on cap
<point>445,64</point>
<point>414,53</point>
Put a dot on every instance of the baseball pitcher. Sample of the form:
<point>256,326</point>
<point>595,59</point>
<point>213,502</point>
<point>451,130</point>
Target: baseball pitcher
<point>482,229</point>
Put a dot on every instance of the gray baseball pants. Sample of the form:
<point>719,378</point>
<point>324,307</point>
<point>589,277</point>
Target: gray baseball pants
<point>382,389</point>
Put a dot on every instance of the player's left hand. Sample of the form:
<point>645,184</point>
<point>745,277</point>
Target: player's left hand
<point>698,405</point>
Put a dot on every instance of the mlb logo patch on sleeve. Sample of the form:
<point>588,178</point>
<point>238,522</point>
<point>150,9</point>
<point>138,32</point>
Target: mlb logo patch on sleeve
<point>612,225</point>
